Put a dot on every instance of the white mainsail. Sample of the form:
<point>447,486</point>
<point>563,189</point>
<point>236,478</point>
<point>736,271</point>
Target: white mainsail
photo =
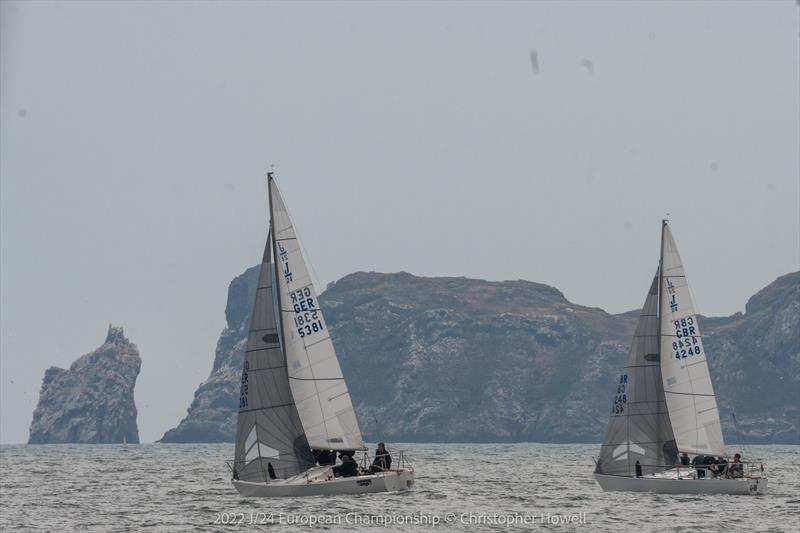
<point>318,386</point>
<point>689,393</point>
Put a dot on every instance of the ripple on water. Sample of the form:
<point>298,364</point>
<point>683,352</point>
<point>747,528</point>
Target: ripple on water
<point>185,487</point>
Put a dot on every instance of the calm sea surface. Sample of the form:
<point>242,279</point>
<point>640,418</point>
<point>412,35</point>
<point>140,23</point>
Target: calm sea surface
<point>460,487</point>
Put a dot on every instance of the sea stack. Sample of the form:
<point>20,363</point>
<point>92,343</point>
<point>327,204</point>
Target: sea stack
<point>92,401</point>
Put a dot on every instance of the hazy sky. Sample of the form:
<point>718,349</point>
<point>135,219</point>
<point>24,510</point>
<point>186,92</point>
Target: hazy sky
<point>135,138</point>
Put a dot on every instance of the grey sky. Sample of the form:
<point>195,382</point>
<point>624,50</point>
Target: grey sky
<point>135,139</point>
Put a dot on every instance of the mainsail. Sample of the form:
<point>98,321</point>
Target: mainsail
<point>270,442</point>
<point>687,383</point>
<point>639,426</point>
<point>316,380</point>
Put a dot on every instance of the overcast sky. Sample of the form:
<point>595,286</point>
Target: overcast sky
<point>135,138</point>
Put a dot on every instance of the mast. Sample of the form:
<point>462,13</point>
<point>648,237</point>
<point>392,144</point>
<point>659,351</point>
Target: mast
<point>275,263</point>
<point>658,316</point>
<point>660,280</point>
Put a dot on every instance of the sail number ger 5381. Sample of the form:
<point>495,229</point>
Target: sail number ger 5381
<point>306,315</point>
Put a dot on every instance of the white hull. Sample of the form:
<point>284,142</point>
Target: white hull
<point>672,485</point>
<point>320,481</point>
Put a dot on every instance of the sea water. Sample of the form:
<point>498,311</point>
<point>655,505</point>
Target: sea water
<point>459,487</point>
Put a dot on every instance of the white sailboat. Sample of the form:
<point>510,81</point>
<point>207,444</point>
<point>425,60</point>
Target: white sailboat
<point>293,396</point>
<point>665,403</point>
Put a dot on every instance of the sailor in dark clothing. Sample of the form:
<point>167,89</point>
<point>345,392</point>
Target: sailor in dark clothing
<point>699,462</point>
<point>722,465</point>
<point>638,469</point>
<point>348,468</point>
<point>324,457</point>
<point>684,459</point>
<point>342,453</point>
<point>270,471</point>
<point>383,461</point>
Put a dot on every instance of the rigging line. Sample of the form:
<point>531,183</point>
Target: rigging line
<point>745,444</point>
<point>689,394</point>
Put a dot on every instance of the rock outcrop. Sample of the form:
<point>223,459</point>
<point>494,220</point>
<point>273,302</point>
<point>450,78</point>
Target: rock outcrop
<point>456,359</point>
<point>92,401</point>
<point>756,365</point>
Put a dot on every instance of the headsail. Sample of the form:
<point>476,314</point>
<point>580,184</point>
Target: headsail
<point>269,436</point>
<point>316,379</point>
<point>687,383</point>
<point>639,427</point>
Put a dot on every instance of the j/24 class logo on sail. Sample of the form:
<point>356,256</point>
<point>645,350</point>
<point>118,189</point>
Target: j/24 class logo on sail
<point>687,343</point>
<point>307,320</point>
<point>284,255</point>
<point>673,302</point>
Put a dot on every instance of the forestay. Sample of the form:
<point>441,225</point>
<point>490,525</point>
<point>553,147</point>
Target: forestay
<point>270,441</point>
<point>639,427</point>
<point>687,383</point>
<point>320,392</point>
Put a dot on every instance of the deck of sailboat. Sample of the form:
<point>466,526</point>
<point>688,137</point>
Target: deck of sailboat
<point>661,483</point>
<point>321,481</point>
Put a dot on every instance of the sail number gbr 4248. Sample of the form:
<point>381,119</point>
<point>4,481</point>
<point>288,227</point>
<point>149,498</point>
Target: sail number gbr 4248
<point>687,343</point>
<point>306,314</point>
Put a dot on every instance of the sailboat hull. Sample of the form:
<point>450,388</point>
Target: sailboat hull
<point>395,480</point>
<point>661,484</point>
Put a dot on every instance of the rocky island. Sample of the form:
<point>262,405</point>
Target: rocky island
<point>92,401</point>
<point>457,359</point>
